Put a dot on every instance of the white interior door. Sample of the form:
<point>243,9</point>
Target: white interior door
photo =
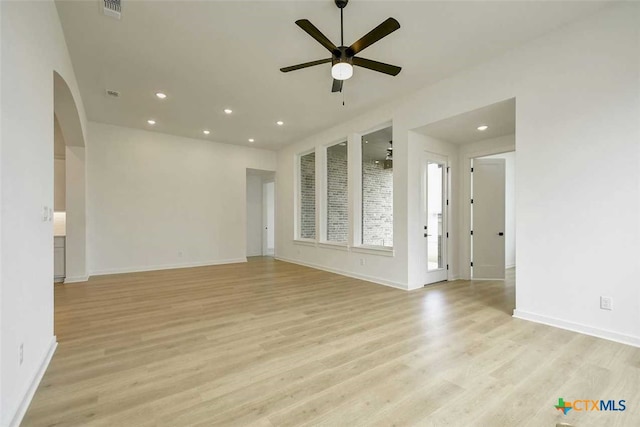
<point>268,218</point>
<point>488,218</point>
<point>435,217</point>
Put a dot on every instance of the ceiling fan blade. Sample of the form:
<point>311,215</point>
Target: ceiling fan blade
<point>305,65</point>
<point>311,29</point>
<point>382,30</point>
<point>337,85</point>
<point>380,67</point>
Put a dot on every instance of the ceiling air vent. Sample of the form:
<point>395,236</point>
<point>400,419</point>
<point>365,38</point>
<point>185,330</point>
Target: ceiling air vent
<point>112,8</point>
<point>112,93</point>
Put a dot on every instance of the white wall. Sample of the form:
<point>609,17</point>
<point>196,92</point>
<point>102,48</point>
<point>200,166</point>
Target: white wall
<point>59,185</point>
<point>577,109</point>
<point>161,201</point>
<point>380,266</point>
<point>573,115</point>
<point>76,218</point>
<point>509,207</point>
<point>59,191</point>
<point>32,46</point>
<point>254,215</point>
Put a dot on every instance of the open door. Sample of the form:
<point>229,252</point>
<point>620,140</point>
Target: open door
<point>435,218</point>
<point>488,219</point>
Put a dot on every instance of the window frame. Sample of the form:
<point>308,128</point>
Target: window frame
<point>357,245</point>
<point>298,197</point>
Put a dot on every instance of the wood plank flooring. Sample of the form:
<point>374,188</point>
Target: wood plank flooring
<point>269,343</point>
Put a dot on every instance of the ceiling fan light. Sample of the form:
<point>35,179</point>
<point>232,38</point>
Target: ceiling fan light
<point>342,71</point>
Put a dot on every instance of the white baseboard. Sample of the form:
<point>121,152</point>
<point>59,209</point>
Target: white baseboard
<point>33,386</point>
<point>140,269</point>
<point>577,327</point>
<point>375,280</point>
<point>77,279</point>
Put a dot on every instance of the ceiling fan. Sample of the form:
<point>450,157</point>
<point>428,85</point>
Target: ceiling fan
<point>343,58</point>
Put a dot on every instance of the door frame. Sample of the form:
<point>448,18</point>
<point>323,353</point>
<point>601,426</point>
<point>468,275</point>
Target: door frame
<point>465,201</point>
<point>265,222</point>
<point>427,277</point>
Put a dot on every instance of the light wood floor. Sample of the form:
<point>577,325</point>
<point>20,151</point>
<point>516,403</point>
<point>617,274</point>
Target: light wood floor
<point>271,343</point>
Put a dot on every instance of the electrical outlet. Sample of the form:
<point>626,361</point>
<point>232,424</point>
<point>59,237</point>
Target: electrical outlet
<point>606,303</point>
<point>362,261</point>
<point>21,353</point>
<point>45,214</point>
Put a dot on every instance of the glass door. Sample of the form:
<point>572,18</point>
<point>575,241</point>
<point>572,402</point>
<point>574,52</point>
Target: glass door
<point>436,221</point>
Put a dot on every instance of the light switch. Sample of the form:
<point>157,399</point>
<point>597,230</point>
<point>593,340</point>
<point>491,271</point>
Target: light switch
<point>45,214</point>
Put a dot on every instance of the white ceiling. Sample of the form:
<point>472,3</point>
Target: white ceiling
<point>208,56</point>
<point>463,128</point>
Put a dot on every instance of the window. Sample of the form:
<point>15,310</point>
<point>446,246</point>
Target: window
<point>337,194</point>
<point>377,188</point>
<point>307,196</point>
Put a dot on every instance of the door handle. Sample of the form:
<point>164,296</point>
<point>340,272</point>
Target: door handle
<point>427,235</point>
<point>501,234</point>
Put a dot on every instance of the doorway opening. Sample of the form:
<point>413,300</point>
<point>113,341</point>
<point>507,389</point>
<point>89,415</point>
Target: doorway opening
<point>59,203</point>
<point>493,223</point>
<point>69,182</point>
<point>435,214</point>
<point>457,141</point>
<point>260,213</point>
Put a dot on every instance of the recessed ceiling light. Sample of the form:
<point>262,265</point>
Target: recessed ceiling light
<point>366,142</point>
<point>251,140</point>
<point>161,95</point>
<point>377,162</point>
<point>151,122</point>
<point>206,132</point>
<point>483,127</point>
<point>279,122</point>
<point>228,111</point>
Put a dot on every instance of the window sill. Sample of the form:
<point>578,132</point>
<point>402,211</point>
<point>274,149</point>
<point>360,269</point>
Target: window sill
<point>334,245</point>
<point>374,250</point>
<point>305,242</point>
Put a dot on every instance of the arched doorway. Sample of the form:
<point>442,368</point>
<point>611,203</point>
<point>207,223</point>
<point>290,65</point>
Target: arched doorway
<point>70,130</point>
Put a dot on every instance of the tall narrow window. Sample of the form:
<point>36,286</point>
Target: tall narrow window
<point>377,188</point>
<point>337,200</point>
<point>307,196</point>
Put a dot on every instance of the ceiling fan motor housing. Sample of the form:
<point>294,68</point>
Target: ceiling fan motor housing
<point>342,3</point>
<point>340,55</point>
